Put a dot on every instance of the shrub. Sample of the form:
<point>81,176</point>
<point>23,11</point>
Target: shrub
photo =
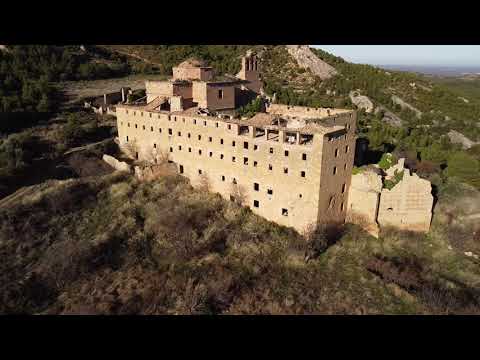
<point>386,161</point>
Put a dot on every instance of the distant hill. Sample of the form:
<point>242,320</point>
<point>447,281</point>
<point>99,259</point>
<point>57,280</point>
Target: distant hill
<point>450,71</point>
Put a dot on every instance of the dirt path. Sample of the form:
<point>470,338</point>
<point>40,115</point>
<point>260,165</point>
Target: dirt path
<point>136,56</point>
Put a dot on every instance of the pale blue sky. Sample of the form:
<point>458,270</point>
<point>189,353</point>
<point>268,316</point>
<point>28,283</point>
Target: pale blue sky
<point>444,55</point>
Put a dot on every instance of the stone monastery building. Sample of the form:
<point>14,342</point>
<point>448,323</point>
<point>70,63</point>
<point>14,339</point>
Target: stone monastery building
<point>291,165</point>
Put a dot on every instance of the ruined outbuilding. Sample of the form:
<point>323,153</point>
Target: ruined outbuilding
<point>407,205</point>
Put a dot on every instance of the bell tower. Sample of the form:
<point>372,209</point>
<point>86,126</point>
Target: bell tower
<point>251,72</point>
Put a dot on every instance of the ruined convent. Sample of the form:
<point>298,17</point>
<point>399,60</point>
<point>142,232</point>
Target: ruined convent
<point>291,165</point>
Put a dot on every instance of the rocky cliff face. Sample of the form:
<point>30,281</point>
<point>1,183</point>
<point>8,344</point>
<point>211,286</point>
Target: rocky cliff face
<point>308,60</point>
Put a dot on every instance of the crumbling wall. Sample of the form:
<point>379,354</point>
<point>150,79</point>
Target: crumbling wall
<point>408,205</point>
<point>302,111</point>
<point>156,89</point>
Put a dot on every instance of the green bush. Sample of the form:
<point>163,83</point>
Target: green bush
<point>386,162</point>
<point>464,167</point>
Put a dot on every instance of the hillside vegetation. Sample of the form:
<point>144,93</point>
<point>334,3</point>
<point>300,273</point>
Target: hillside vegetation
<point>112,245</point>
<point>85,240</point>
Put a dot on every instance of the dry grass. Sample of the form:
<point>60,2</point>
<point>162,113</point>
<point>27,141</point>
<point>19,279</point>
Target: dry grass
<point>113,245</point>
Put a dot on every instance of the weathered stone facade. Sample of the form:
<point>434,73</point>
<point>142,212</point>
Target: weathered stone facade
<point>291,165</point>
<point>292,183</point>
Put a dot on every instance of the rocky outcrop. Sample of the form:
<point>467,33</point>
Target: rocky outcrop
<point>308,60</point>
<point>458,138</point>
<point>405,105</point>
<point>389,117</point>
<point>361,101</point>
<point>114,163</point>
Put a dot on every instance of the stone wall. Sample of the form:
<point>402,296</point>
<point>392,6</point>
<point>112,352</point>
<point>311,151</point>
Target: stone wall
<point>156,89</point>
<point>207,95</point>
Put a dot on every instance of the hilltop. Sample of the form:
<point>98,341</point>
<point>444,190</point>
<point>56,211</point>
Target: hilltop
<point>78,238</point>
